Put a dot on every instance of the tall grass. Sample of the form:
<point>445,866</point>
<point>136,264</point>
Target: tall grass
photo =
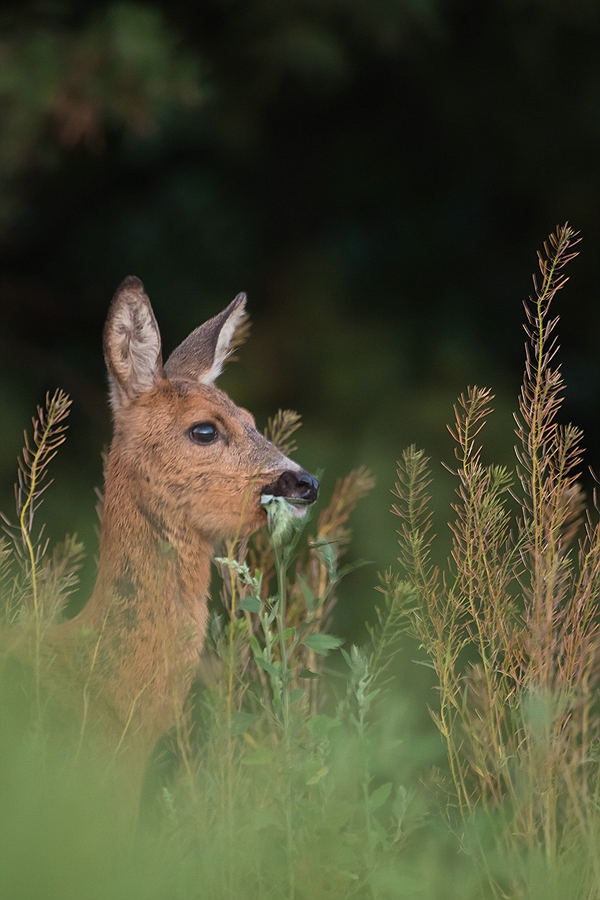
<point>300,773</point>
<point>510,625</point>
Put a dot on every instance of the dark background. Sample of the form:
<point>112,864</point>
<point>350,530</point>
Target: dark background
<point>377,176</point>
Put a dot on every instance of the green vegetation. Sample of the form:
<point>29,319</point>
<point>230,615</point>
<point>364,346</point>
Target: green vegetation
<point>300,771</point>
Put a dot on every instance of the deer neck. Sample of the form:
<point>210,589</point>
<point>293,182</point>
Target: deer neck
<point>147,575</point>
<point>147,616</point>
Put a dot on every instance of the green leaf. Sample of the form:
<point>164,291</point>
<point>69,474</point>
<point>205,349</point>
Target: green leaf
<point>309,597</point>
<point>321,724</point>
<point>400,804</point>
<point>216,627</point>
<point>423,662</point>
<point>358,564</point>
<point>259,758</point>
<point>318,775</point>
<point>371,695</point>
<point>251,604</point>
<point>241,722</point>
<point>307,673</point>
<point>295,695</point>
<point>328,555</point>
<point>267,666</point>
<point>379,796</point>
<point>322,643</point>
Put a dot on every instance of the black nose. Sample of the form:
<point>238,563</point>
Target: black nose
<point>294,486</point>
<point>308,487</point>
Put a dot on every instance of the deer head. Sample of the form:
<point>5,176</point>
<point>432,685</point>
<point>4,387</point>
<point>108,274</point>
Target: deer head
<point>190,458</point>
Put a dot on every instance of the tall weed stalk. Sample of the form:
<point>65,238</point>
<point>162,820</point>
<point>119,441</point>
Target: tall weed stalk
<point>511,624</point>
<point>41,583</point>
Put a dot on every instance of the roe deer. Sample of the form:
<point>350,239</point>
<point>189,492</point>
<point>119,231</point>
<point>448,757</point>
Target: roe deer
<point>186,468</point>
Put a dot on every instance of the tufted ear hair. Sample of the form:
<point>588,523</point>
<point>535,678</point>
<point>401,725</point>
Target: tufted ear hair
<point>202,355</point>
<point>132,348</point>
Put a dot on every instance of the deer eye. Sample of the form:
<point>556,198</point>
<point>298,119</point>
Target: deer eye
<point>204,433</point>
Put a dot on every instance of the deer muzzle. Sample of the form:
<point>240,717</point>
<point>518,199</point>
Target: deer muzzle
<point>296,486</point>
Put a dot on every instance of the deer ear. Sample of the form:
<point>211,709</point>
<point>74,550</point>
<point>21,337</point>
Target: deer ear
<point>131,344</point>
<point>202,355</point>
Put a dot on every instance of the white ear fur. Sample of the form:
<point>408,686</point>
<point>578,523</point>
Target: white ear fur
<point>132,346</point>
<point>224,340</point>
<point>201,356</point>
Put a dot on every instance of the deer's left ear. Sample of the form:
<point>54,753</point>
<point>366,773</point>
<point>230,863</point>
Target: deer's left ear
<point>202,355</point>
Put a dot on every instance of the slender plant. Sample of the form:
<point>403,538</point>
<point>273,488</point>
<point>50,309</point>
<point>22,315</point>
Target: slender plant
<point>510,624</point>
<point>49,432</point>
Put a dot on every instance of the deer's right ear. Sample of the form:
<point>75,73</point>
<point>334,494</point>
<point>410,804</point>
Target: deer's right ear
<point>131,344</point>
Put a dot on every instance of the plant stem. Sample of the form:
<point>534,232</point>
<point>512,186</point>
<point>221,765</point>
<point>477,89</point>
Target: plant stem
<point>280,614</point>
